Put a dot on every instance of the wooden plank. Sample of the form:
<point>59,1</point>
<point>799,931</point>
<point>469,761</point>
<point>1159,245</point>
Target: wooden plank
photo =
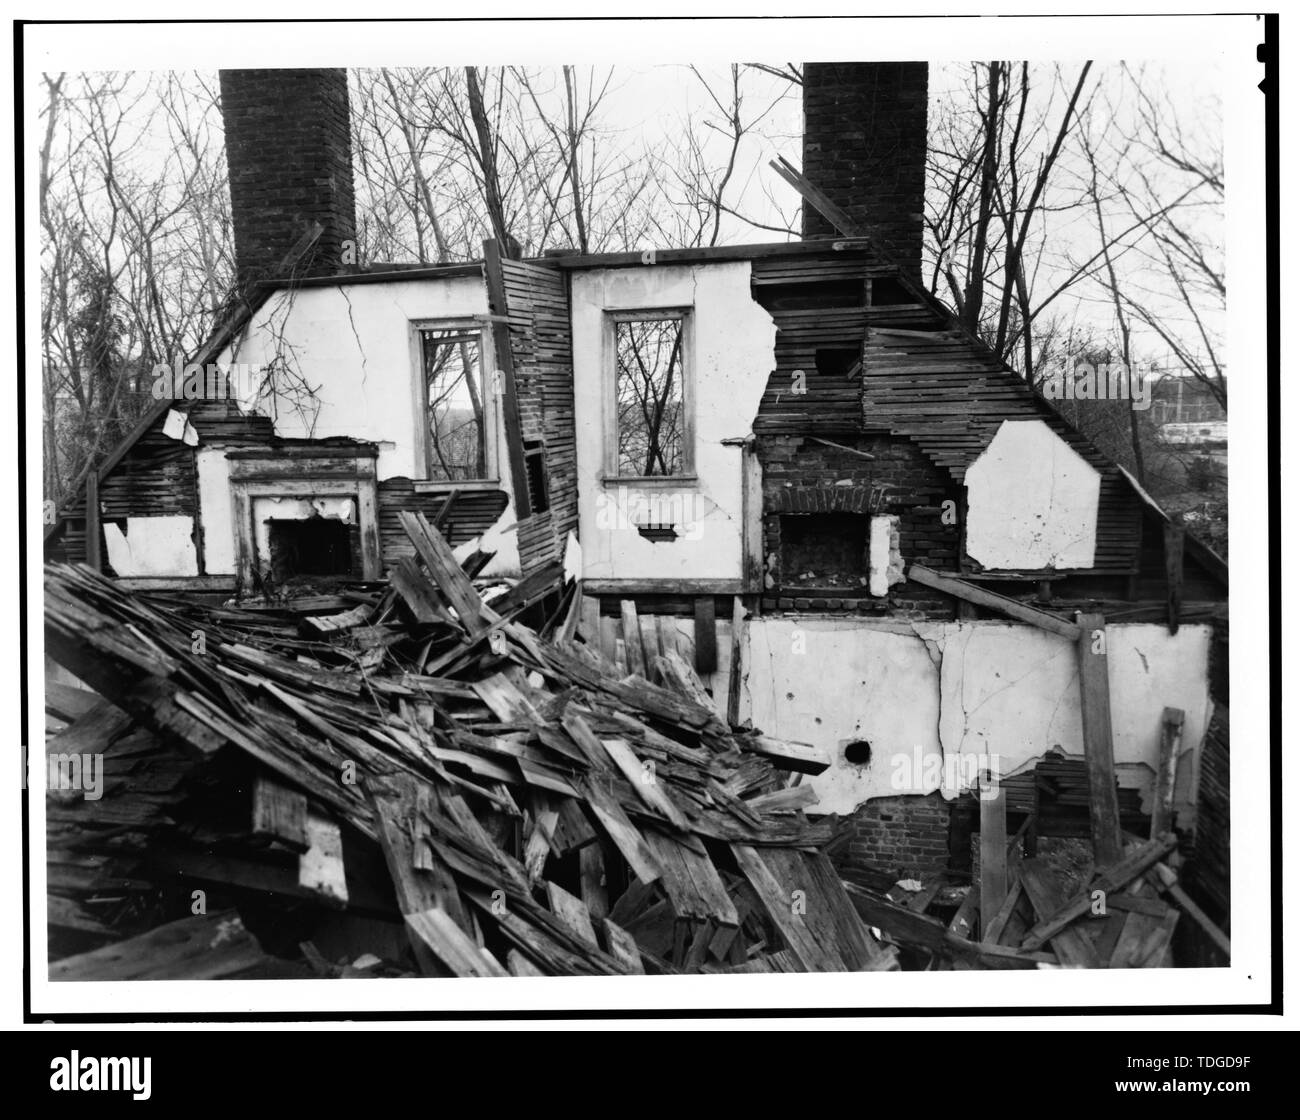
<point>622,947</point>
<point>632,638</point>
<point>811,194</point>
<point>706,636</point>
<point>520,965</point>
<point>446,571</point>
<point>694,888</point>
<point>591,880</point>
<point>961,589</point>
<point>993,844</point>
<point>421,878</point>
<point>280,813</point>
<point>1166,881</point>
<point>786,754</point>
<point>991,929</point>
<point>734,672</point>
<point>1142,938</point>
<point>571,912</point>
<point>645,782</point>
<point>1041,887</point>
<point>917,931</point>
<point>1098,743</point>
<point>589,623</point>
<point>320,866</point>
<point>94,539</point>
<point>621,831</point>
<point>651,643</point>
<point>1174,537</point>
<point>1162,800</point>
<point>963,922</point>
<point>1109,880</point>
<point>206,947</point>
<point>462,955</point>
<point>416,592</point>
<point>777,901</point>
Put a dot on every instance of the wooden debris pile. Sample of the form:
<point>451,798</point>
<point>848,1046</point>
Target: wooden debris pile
<point>1122,915</point>
<point>415,782</point>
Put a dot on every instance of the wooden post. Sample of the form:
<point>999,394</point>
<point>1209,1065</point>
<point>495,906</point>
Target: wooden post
<point>632,638</point>
<point>1098,745</point>
<point>505,362</point>
<point>706,636</point>
<point>1174,573</point>
<point>733,676</point>
<point>1171,738</point>
<point>993,844</point>
<point>94,552</point>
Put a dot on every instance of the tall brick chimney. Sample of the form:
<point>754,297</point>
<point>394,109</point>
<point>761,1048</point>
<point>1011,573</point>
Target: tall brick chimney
<point>864,141</point>
<point>289,152</point>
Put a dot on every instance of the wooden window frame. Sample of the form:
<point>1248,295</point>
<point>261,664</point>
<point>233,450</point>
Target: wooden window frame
<point>609,366</point>
<point>492,450</point>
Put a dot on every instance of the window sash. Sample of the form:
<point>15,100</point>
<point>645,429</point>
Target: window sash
<point>683,372</point>
<point>428,336</point>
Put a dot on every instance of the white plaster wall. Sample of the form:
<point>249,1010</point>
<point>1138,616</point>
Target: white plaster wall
<point>1032,501</point>
<point>353,346</point>
<point>829,681</point>
<point>216,511</point>
<point>966,689</point>
<point>152,546</point>
<point>734,340</point>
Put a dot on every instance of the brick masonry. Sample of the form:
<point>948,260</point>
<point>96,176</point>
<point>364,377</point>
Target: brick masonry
<point>803,475</point>
<point>906,836</point>
<point>289,153</point>
<point>864,146</point>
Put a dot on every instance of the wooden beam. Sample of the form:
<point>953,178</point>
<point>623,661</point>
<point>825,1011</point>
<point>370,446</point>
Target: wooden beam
<point>824,206</point>
<point>1072,946</point>
<point>1166,881</point>
<point>1171,740</point>
<point>632,651</point>
<point>1174,537</point>
<point>734,674</point>
<point>1098,744</point>
<point>706,636</point>
<point>1110,880</point>
<point>993,845</point>
<point>589,624</point>
<point>497,306</point>
<point>94,547</point>
<point>968,592</point>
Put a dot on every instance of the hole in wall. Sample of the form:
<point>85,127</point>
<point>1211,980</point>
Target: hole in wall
<point>857,752</point>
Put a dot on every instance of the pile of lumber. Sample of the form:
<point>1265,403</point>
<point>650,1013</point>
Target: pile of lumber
<point>1121,915</point>
<point>414,782</point>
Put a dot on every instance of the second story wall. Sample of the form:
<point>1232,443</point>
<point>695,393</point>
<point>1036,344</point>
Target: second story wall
<point>728,341</point>
<point>355,348</point>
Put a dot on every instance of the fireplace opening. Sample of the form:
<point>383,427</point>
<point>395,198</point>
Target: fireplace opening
<point>825,550</point>
<point>314,546</point>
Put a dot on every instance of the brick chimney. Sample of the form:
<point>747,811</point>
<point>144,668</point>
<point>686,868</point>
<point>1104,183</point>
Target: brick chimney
<point>289,152</point>
<point>864,142</point>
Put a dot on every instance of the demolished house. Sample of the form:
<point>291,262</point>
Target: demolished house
<point>721,609</point>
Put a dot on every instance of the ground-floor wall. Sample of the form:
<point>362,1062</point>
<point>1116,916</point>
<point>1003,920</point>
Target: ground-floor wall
<point>907,710</point>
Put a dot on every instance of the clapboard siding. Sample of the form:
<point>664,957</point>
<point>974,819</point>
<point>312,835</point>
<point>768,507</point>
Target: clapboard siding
<point>158,476</point>
<point>541,344</point>
<point>471,514</point>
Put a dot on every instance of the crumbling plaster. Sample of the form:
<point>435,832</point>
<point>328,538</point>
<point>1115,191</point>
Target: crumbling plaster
<point>1031,501</point>
<point>734,343</point>
<point>932,698</point>
<point>352,344</point>
<point>152,546</point>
